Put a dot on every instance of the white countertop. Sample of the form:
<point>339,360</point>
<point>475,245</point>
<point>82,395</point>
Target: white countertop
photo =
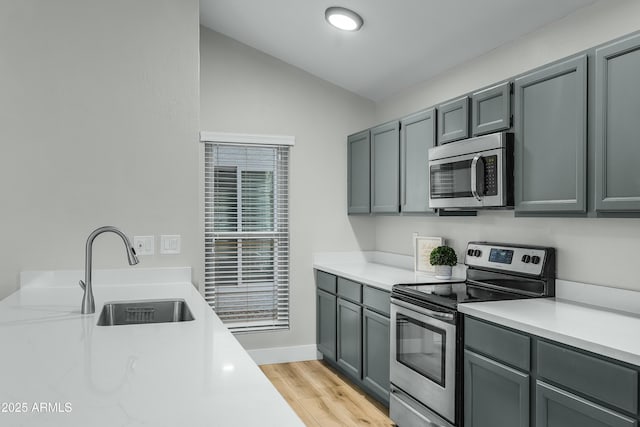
<point>599,319</point>
<point>601,330</point>
<point>377,269</point>
<point>179,374</point>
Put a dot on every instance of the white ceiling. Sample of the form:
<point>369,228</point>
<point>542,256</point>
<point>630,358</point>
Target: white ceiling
<point>402,42</point>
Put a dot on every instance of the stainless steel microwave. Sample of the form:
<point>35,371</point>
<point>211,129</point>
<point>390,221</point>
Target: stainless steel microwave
<point>475,173</point>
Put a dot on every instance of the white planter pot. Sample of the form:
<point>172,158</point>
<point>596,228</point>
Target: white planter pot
<point>443,271</point>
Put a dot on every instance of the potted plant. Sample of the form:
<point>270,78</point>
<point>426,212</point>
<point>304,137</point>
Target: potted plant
<point>443,258</point>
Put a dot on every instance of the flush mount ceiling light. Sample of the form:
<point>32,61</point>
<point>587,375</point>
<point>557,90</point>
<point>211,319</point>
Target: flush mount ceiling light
<point>343,19</point>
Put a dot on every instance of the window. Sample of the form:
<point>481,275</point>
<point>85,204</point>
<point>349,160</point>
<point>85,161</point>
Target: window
<point>247,235</point>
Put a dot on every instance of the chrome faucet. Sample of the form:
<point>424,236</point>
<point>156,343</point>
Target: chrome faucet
<point>88,304</point>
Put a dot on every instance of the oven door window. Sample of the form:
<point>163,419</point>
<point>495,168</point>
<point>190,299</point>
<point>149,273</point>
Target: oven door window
<point>449,180</point>
<point>421,347</point>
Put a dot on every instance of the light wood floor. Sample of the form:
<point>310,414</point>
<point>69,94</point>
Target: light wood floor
<point>322,397</point>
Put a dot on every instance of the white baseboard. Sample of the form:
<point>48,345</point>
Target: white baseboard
<point>267,356</point>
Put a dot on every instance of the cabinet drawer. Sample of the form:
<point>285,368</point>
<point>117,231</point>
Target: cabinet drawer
<point>376,299</point>
<point>326,281</point>
<point>597,378</point>
<point>556,407</point>
<point>499,343</point>
<point>349,290</point>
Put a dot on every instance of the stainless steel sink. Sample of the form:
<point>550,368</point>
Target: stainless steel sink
<point>147,311</point>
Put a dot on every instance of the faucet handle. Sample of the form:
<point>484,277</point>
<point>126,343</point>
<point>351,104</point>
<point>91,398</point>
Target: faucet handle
<point>82,285</point>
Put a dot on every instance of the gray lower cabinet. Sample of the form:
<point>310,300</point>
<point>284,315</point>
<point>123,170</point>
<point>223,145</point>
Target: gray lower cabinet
<point>385,168</point>
<point>349,327</point>
<point>491,109</point>
<point>550,124</point>
<point>358,173</point>
<point>559,386</point>
<point>326,324</point>
<point>453,120</point>
<point>352,331</point>
<point>375,351</point>
<point>559,408</point>
<point>495,395</point>
<point>417,135</point>
<point>617,181</point>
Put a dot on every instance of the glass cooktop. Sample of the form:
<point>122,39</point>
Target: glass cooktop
<point>451,294</point>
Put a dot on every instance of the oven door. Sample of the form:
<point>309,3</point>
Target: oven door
<point>468,181</point>
<point>423,356</point>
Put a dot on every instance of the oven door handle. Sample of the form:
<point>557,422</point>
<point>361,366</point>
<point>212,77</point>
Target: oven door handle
<point>477,181</point>
<point>447,317</point>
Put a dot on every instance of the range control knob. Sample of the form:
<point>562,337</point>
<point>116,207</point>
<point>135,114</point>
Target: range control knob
<point>477,252</point>
<point>535,259</point>
<point>470,252</point>
<point>526,259</point>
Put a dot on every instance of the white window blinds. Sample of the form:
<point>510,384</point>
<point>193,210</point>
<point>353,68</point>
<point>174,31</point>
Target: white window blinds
<point>247,235</point>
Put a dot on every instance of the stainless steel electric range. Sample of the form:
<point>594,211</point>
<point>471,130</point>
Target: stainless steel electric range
<point>427,330</point>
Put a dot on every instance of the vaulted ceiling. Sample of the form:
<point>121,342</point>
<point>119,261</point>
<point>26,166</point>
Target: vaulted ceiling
<point>402,42</point>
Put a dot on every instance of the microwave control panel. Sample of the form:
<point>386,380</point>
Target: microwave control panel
<point>490,175</point>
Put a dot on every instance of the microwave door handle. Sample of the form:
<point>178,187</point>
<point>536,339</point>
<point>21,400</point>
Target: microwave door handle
<point>477,177</point>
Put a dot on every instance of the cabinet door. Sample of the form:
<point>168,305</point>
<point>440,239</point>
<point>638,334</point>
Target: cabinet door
<point>494,394</point>
<point>385,168</point>
<point>358,166</point>
<point>491,109</point>
<point>349,327</point>
<point>326,324</point>
<point>559,408</point>
<point>551,139</point>
<point>453,120</point>
<point>417,135</point>
<point>375,354</point>
<point>616,134</point>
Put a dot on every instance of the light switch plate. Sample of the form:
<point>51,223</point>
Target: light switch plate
<point>170,244</point>
<point>144,245</point>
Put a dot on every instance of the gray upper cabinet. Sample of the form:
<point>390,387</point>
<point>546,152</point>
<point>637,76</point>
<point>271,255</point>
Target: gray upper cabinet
<point>417,135</point>
<point>491,109</point>
<point>358,175</point>
<point>617,140</point>
<point>385,168</point>
<point>453,120</point>
<point>551,139</point>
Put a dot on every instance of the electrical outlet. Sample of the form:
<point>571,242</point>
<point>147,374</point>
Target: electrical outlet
<point>170,244</point>
<point>144,245</point>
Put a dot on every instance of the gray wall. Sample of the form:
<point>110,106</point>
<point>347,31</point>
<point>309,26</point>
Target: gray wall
<point>599,251</point>
<point>98,125</point>
<point>246,91</point>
